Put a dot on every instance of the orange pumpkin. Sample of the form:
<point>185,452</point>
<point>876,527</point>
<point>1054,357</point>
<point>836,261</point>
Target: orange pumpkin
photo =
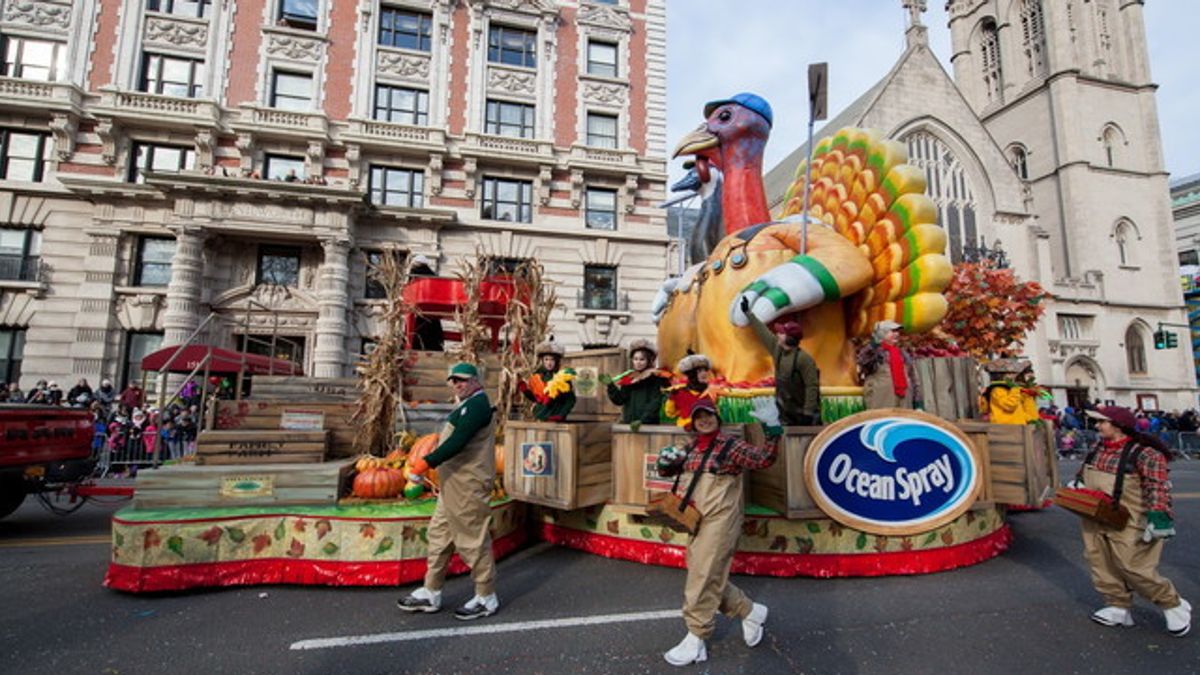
<point>395,457</point>
<point>378,483</point>
<point>424,445</point>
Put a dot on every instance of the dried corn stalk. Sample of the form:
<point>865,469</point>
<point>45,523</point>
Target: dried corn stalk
<point>527,322</point>
<point>381,375</point>
<point>475,335</point>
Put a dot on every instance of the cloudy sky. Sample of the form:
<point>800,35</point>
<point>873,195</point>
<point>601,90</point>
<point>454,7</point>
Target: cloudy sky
<point>719,47</point>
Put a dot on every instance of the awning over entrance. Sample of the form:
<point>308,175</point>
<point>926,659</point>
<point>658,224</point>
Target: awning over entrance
<point>222,361</point>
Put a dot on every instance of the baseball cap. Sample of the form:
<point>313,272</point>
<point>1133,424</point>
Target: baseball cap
<point>747,100</point>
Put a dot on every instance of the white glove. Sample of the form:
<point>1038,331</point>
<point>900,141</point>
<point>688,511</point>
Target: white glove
<point>671,458</point>
<point>414,478</point>
<point>1076,483</point>
<point>662,298</point>
<point>765,411</point>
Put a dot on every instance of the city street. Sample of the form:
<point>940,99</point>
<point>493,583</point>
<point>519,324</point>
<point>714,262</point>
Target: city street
<point>1025,612</point>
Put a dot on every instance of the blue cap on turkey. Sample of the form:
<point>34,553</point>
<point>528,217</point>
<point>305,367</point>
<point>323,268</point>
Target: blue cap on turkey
<point>747,100</point>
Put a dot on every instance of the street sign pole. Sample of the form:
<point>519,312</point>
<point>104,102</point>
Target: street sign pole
<point>818,87</point>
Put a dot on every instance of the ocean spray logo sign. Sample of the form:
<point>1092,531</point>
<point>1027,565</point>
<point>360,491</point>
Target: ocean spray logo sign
<point>892,472</point>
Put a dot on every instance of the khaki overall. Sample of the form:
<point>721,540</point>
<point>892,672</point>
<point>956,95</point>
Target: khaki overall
<point>1119,561</point>
<point>463,515</point>
<point>710,553</point>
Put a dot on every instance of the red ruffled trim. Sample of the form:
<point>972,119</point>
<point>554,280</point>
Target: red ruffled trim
<point>822,565</point>
<point>135,579</point>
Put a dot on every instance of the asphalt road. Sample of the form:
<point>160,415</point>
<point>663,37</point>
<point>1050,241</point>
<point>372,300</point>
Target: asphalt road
<point>1024,612</point>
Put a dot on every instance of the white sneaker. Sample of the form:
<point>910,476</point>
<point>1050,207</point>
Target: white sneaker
<point>1179,619</point>
<point>421,600</point>
<point>478,607</point>
<point>752,625</point>
<point>1113,616</point>
<point>691,650</point>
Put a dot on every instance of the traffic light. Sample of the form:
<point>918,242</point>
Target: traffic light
<point>1160,339</point>
<point>1172,339</point>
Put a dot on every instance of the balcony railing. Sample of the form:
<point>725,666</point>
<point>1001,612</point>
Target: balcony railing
<point>508,146</point>
<point>155,106</point>
<point>44,95</point>
<point>20,268</point>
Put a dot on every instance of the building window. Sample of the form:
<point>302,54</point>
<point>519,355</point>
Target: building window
<point>1125,234</point>
<point>601,130</point>
<point>1189,257</point>
<point>300,14</point>
<point>989,48</point>
<point>402,105</point>
<point>30,59</point>
<point>20,252</point>
<point>291,91</point>
<point>498,266</point>
<point>1074,326</point>
<point>599,287</point>
<point>602,58</point>
<point>154,261</point>
<point>23,156</point>
<point>601,209</point>
<point>404,29</point>
<point>1135,351</point>
<point>278,265</point>
<point>172,76</point>
<point>283,347</point>
<point>1019,161</point>
<point>1033,35</point>
<point>397,187</point>
<point>1111,139</point>
<point>949,188</point>
<point>196,8</point>
<point>373,289</point>
<point>138,345</point>
<point>509,119</point>
<point>159,158</point>
<point>368,346</point>
<point>508,200</point>
<point>281,167</point>
<point>12,352</point>
<point>513,46</point>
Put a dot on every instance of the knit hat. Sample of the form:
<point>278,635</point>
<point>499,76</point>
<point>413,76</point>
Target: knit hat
<point>692,362</point>
<point>1121,417</point>
<point>549,347</point>
<point>463,370</point>
<point>642,344</point>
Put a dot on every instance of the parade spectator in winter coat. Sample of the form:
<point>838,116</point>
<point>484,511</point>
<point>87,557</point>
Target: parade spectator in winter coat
<point>80,395</point>
<point>132,396</point>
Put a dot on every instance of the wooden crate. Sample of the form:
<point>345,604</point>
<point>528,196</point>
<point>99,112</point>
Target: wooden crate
<point>634,454</point>
<point>591,397</point>
<point>304,389</point>
<point>780,487</point>
<point>1022,466</point>
<point>261,447</point>
<point>427,377</point>
<point>263,415</point>
<point>579,463</point>
<point>949,386</point>
<point>186,485</point>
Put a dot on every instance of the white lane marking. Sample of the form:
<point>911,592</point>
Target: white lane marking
<point>486,629</point>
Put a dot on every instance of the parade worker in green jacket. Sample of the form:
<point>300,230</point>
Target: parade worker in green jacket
<point>466,463</point>
<point>797,379</point>
<point>639,391</point>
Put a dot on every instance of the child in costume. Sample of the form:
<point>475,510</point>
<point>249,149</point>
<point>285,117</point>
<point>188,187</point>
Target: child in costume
<point>639,391</point>
<point>681,397</point>
<point>549,387</point>
<point>1011,396</point>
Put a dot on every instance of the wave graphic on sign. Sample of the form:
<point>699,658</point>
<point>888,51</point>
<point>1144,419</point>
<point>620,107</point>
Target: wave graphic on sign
<point>885,436</point>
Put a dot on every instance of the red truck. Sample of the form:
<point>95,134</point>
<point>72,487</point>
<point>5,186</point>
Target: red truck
<point>42,448</point>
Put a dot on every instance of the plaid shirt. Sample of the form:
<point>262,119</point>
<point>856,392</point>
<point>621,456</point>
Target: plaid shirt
<point>741,456</point>
<point>1151,469</point>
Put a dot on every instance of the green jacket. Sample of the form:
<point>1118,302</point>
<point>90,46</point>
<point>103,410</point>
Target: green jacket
<point>559,407</point>
<point>468,418</point>
<point>797,379</point>
<point>641,401</point>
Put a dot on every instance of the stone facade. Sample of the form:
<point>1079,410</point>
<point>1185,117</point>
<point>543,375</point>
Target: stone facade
<point>151,216</point>
<point>1046,140</point>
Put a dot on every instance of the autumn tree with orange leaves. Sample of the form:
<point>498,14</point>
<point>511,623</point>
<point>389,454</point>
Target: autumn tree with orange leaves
<point>991,313</point>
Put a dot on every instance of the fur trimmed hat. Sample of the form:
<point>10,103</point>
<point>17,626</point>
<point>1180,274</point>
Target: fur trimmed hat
<point>549,347</point>
<point>692,362</point>
<point>642,344</point>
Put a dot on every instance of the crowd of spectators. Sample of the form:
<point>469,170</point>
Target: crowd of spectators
<point>1076,431</point>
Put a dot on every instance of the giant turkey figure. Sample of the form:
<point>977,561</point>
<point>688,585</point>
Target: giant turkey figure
<point>874,251</point>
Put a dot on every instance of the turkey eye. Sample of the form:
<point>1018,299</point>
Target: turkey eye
<point>725,116</point>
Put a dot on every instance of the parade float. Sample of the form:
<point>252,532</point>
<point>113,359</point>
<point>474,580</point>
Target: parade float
<point>871,492</point>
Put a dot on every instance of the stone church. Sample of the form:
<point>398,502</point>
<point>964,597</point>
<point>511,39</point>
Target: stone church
<point>1045,142</point>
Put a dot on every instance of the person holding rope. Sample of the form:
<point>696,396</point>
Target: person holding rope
<point>466,462</point>
<point>1132,468</point>
<point>711,465</point>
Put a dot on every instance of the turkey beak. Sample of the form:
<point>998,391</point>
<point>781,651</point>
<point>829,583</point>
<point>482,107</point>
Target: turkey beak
<point>698,140</point>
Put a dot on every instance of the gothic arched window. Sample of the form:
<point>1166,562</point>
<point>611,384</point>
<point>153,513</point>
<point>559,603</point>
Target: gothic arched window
<point>989,50</point>
<point>1018,159</point>
<point>1033,36</point>
<point>1125,234</point>
<point>1135,350</point>
<point>948,187</point>
<point>1111,139</point>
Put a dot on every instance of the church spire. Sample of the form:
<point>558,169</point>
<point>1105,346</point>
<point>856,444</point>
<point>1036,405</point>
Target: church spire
<point>915,33</point>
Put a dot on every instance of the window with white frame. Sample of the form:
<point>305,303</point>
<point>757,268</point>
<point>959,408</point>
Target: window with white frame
<point>1019,161</point>
<point>20,254</point>
<point>1110,138</point>
<point>154,255</point>
<point>405,29</point>
<point>509,119</point>
<point>512,46</point>
<point>292,91</point>
<point>197,8</point>
<point>507,200</point>
<point>1124,235</point>
<point>24,155</point>
<point>1075,326</point>
<point>283,167</point>
<point>600,208</point>
<point>1033,36</point>
<point>33,59</point>
<point>601,58</point>
<point>300,14</point>
<point>948,185</point>
<point>403,105</point>
<point>158,158</point>
<point>392,186</point>
<point>373,289</point>
<point>599,287</point>
<point>172,76</point>
<point>138,345</point>
<point>601,130</point>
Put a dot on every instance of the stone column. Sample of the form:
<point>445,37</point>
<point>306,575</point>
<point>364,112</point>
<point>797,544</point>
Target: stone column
<point>329,357</point>
<point>183,292</point>
<point>95,340</point>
